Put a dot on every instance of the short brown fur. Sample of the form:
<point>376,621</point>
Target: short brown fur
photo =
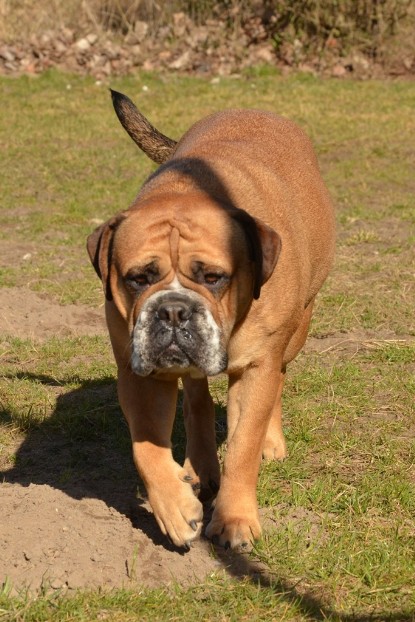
<point>243,188</point>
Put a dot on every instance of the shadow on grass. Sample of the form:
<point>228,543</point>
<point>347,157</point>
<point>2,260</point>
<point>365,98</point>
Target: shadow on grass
<point>84,450</point>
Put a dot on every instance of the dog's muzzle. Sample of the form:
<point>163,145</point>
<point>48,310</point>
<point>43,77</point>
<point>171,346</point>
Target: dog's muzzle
<point>175,331</point>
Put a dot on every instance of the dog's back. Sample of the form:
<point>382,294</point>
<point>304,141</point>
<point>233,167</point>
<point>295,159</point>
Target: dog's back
<point>264,164</point>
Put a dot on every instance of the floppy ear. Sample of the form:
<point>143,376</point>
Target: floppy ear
<point>99,246</point>
<point>264,246</point>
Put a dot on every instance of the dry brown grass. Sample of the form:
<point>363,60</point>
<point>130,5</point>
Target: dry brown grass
<point>369,25</point>
<point>22,18</point>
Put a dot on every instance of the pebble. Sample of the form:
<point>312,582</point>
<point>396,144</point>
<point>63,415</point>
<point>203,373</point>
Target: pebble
<point>83,45</point>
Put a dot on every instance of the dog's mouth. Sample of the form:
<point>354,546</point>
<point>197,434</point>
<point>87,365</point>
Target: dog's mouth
<point>173,355</point>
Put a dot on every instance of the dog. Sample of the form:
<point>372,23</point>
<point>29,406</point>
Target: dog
<point>213,269</point>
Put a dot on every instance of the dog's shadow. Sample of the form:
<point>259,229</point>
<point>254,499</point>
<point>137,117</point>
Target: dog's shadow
<point>84,449</point>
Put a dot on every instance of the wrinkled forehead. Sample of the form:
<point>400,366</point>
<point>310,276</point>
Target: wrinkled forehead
<point>197,232</point>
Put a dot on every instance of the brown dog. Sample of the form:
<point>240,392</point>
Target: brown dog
<point>214,268</point>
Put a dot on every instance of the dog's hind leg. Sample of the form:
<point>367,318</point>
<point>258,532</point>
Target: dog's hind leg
<point>201,455</point>
<point>274,447</point>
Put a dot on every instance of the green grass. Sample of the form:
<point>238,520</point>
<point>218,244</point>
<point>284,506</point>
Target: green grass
<point>350,478</point>
<point>217,600</point>
<point>339,526</point>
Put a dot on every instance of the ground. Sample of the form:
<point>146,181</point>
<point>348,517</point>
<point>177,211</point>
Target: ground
<point>90,533</point>
<point>96,531</point>
<point>338,514</point>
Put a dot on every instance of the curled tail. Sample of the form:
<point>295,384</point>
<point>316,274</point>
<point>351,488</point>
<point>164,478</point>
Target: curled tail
<point>154,144</point>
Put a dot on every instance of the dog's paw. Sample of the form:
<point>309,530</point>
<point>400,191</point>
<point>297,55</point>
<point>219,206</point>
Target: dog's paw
<point>206,480</point>
<point>234,532</point>
<point>274,447</point>
<point>177,511</point>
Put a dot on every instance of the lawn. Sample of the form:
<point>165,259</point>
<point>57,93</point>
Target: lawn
<point>339,513</point>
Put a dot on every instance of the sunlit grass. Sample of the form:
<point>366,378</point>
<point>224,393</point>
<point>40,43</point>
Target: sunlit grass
<point>339,512</point>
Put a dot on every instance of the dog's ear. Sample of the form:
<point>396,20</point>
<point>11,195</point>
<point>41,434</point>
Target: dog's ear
<point>99,246</point>
<point>155,145</point>
<point>264,245</point>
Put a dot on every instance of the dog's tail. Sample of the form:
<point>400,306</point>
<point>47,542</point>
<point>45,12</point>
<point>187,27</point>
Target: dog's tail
<point>154,144</point>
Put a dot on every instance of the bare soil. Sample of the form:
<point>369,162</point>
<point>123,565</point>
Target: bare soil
<point>28,315</point>
<point>52,540</point>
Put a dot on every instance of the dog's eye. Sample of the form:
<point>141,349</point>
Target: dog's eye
<point>137,281</point>
<point>141,279</point>
<point>211,278</point>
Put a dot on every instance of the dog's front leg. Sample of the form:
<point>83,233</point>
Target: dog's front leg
<point>199,418</point>
<point>149,406</point>
<point>251,399</point>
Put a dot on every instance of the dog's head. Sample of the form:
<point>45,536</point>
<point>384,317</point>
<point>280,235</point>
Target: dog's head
<point>182,271</point>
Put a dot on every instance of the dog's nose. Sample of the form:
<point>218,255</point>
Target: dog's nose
<point>174,312</point>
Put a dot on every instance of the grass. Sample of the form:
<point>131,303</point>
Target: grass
<point>349,478</point>
<point>339,513</point>
<point>215,600</point>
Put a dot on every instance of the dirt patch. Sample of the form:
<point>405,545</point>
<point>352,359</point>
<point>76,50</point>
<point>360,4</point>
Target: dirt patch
<point>353,342</point>
<point>72,517</point>
<point>52,540</point>
<point>26,314</point>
